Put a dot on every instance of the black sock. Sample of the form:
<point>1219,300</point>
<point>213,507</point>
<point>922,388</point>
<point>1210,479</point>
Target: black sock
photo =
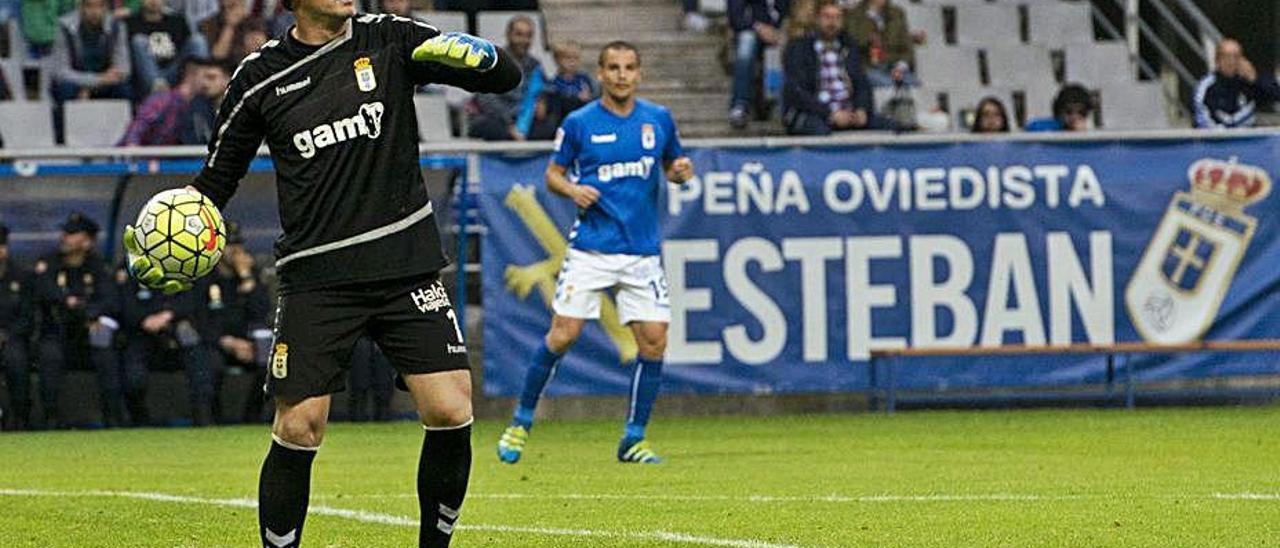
<point>283,490</point>
<point>443,471</point>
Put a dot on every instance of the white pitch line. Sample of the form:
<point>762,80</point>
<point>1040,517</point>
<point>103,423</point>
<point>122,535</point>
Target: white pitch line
<point>994,497</point>
<point>839,499</point>
<point>403,521</point>
<point>1246,496</point>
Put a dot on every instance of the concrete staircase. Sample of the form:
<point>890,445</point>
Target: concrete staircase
<point>681,69</point>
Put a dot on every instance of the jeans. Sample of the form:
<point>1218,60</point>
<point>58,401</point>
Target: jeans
<point>804,123</point>
<point>147,70</point>
<point>746,56</point>
<point>197,362</point>
<point>17,371</point>
<point>122,384</point>
<point>66,91</point>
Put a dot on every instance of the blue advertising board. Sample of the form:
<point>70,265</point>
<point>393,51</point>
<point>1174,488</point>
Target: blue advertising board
<point>788,266</point>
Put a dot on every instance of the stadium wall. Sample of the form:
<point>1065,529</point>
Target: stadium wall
<point>767,215</point>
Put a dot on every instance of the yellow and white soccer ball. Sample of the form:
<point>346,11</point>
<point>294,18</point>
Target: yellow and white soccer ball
<point>182,232</point>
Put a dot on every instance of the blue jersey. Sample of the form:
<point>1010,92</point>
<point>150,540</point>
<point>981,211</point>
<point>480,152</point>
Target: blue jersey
<point>623,159</point>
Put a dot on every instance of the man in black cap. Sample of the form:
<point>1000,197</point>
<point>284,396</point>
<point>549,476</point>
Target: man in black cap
<point>15,334</point>
<point>238,305</point>
<point>71,294</point>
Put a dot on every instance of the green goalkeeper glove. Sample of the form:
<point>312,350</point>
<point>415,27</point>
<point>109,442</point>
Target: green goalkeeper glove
<point>458,50</point>
<point>146,271</point>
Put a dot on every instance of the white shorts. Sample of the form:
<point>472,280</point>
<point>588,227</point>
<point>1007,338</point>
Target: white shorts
<point>640,281</point>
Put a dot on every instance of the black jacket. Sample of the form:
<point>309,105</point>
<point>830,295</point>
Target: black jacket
<point>54,283</point>
<point>1222,101</point>
<point>801,65</point>
<point>339,121</point>
<point>15,302</point>
<point>744,14</point>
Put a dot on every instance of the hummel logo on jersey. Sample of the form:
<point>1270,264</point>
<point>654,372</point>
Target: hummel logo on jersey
<point>281,90</point>
<point>430,298</point>
<point>367,122</point>
<point>606,138</point>
<point>616,170</point>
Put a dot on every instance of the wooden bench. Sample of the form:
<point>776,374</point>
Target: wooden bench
<point>890,358</point>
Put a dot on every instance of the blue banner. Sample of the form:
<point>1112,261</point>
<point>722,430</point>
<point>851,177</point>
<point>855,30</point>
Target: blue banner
<point>788,266</point>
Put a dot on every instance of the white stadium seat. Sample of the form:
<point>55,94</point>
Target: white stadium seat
<point>26,124</point>
<point>948,66</point>
<point>1018,65</point>
<point>433,117</point>
<point>1056,24</point>
<point>95,122</point>
<point>444,20</point>
<point>1140,105</point>
<point>1099,63</point>
<point>988,25</point>
<point>926,18</point>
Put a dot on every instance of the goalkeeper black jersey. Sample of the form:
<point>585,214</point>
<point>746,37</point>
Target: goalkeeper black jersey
<point>339,122</point>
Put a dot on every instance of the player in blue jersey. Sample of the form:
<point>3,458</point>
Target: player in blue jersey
<point>623,150</point>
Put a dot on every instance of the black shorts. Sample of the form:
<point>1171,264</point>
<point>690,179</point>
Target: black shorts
<point>411,320</point>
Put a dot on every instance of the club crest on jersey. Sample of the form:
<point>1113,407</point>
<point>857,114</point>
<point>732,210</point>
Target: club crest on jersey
<point>648,138</point>
<point>364,74</point>
<point>280,361</point>
<point>1184,274</point>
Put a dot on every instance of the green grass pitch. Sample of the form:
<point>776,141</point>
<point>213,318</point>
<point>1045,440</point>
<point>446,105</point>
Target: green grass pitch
<point>1167,477</point>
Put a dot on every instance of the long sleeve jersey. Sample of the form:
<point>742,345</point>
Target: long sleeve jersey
<point>339,122</point>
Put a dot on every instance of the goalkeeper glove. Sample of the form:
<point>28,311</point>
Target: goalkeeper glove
<point>458,50</point>
<point>145,270</point>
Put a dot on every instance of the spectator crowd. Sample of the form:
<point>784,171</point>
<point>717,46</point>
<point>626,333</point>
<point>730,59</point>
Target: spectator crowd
<point>69,310</point>
<point>172,58</point>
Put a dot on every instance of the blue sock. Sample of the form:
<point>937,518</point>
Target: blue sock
<point>535,380</point>
<point>644,390</point>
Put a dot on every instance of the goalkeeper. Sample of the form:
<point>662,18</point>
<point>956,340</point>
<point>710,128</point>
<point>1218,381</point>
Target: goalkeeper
<point>333,99</point>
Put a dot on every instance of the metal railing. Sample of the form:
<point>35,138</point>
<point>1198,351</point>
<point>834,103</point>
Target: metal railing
<point>467,149</point>
<point>1201,36</point>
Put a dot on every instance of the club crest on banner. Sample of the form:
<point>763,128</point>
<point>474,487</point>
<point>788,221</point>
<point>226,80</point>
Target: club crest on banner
<point>1184,274</point>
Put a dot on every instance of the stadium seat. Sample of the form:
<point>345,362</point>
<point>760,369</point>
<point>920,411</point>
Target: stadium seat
<point>988,25</point>
<point>1139,105</point>
<point>1056,24</point>
<point>433,117</point>
<point>26,124</point>
<point>95,122</point>
<point>445,20</point>
<point>1018,65</point>
<point>927,18</point>
<point>948,65</point>
<point>1096,64</point>
<point>1039,98</point>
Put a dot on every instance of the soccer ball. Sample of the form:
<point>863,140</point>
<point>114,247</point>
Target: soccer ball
<point>181,231</point>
